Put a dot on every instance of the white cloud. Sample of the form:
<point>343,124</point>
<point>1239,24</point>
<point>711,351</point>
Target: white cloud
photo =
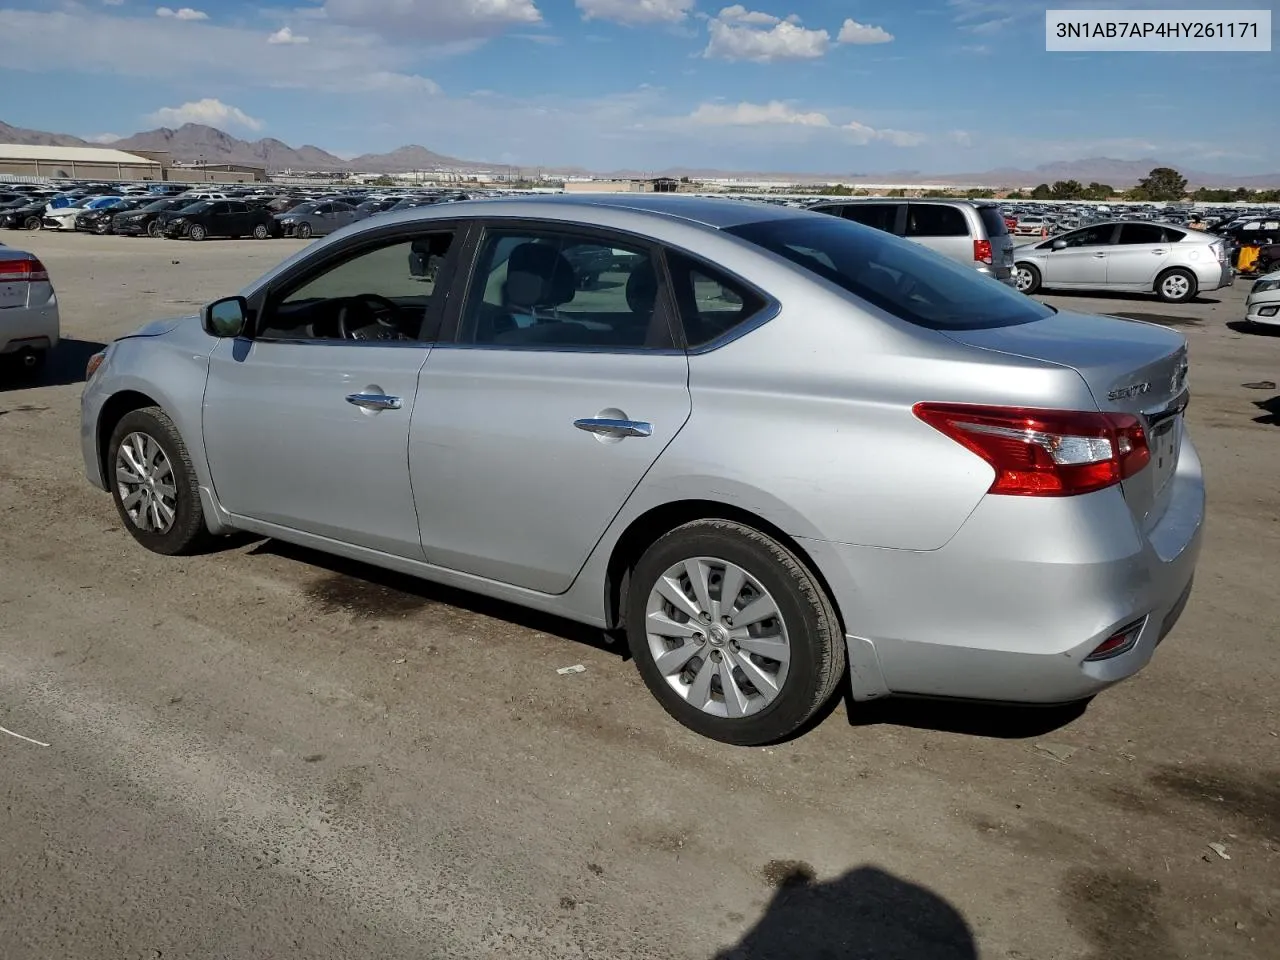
<point>739,34</point>
<point>338,59</point>
<point>961,138</point>
<point>182,13</point>
<point>209,111</point>
<point>635,12</point>
<point>104,138</point>
<point>755,114</point>
<point>284,36</point>
<point>862,135</point>
<point>437,21</point>
<point>740,14</point>
<point>860,33</point>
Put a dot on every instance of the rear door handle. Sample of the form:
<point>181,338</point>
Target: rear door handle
<point>602,427</point>
<point>375,401</point>
<point>1160,253</point>
<point>1099,256</point>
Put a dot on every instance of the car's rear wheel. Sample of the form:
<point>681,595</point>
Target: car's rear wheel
<point>732,633</point>
<point>153,483</point>
<point>33,223</point>
<point>196,232</point>
<point>304,231</point>
<point>153,230</point>
<point>1176,285</point>
<point>1026,278</point>
<point>260,232</point>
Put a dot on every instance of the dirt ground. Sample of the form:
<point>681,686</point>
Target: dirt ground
<point>266,753</point>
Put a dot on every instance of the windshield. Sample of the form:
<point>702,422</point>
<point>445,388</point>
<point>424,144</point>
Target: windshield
<point>309,207</point>
<point>902,278</point>
<point>198,207</point>
<point>156,206</point>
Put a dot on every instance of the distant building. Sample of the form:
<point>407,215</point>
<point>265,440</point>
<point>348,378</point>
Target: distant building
<point>217,173</point>
<point>76,163</point>
<point>660,185</point>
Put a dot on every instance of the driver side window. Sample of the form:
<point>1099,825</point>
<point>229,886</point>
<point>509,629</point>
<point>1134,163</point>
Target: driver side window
<point>373,295</point>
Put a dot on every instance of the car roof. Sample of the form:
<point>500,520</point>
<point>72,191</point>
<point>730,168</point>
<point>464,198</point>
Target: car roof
<point>706,211</point>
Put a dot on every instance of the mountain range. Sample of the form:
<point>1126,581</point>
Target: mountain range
<point>194,142</point>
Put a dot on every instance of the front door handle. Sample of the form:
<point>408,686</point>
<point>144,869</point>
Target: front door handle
<point>603,427</point>
<point>1160,253</point>
<point>1099,256</point>
<point>375,401</point>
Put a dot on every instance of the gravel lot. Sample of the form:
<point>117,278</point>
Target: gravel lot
<point>264,752</point>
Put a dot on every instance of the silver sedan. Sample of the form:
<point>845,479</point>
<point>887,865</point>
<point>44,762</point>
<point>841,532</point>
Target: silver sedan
<point>1175,263</point>
<point>777,450</point>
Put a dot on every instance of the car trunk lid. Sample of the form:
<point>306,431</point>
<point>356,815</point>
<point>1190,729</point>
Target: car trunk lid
<point>1129,367</point>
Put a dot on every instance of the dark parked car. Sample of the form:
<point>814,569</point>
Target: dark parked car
<point>102,220</point>
<point>27,217</point>
<point>219,218</point>
<point>146,219</point>
<point>316,219</point>
<point>373,207</point>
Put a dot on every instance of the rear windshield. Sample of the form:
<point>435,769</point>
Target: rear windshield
<point>899,276</point>
<point>993,220</point>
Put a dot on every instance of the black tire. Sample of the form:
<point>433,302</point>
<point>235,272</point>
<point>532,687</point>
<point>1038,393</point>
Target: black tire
<point>196,232</point>
<point>1033,278</point>
<point>304,231</point>
<point>1171,291</point>
<point>261,232</point>
<point>187,533</point>
<point>153,230</point>
<point>817,651</point>
<point>33,223</point>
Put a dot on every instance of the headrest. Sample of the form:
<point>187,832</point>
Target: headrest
<point>538,275</point>
<point>642,288</point>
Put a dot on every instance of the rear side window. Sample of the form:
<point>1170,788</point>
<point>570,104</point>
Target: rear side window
<point>935,220</point>
<point>710,303</point>
<point>881,216</point>
<point>1131,233</point>
<point>993,220</point>
<point>904,279</point>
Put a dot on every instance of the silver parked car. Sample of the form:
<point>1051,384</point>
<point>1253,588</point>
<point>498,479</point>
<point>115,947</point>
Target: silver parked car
<point>968,231</point>
<point>1175,263</point>
<point>29,324</point>
<point>316,218</point>
<point>774,448</point>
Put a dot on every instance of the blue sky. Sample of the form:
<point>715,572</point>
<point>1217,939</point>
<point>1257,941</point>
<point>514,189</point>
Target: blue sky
<point>851,86</point>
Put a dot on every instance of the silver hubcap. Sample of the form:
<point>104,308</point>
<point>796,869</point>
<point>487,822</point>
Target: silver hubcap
<point>1176,286</point>
<point>1022,278</point>
<point>144,478</point>
<point>717,637</point>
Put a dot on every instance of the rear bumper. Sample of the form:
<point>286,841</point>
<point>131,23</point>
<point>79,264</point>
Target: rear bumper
<point>1010,609</point>
<point>29,328</point>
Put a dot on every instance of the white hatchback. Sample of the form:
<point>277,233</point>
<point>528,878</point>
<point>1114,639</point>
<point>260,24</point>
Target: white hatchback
<point>28,309</point>
<point>1263,305</point>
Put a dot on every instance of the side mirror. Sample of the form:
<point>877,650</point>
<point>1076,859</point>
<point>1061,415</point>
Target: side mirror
<point>1059,244</point>
<point>226,318</point>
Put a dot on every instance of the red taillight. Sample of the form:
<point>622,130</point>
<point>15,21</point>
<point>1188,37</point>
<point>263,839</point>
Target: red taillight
<point>1122,641</point>
<point>1044,453</point>
<point>22,271</point>
<point>982,251</point>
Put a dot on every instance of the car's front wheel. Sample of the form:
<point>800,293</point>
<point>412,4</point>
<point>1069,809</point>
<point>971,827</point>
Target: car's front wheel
<point>154,484</point>
<point>732,633</point>
<point>1026,278</point>
<point>196,232</point>
<point>260,232</point>
<point>304,231</point>
<point>154,230</point>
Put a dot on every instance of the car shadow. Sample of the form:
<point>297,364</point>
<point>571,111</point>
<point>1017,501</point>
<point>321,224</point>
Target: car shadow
<point>1253,329</point>
<point>376,592</point>
<point>866,912</point>
<point>1122,295</point>
<point>64,366</point>
<point>1270,411</point>
<point>992,721</point>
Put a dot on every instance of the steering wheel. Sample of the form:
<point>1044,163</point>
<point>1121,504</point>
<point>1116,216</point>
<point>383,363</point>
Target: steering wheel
<point>376,310</point>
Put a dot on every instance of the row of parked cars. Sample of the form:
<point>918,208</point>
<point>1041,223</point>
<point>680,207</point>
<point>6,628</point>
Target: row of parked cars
<point>198,215</point>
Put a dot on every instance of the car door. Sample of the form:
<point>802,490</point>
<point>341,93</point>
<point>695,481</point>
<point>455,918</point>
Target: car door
<point>1083,262</point>
<point>306,422</point>
<point>535,425</point>
<point>942,228</point>
<point>1140,252</point>
<point>343,215</point>
<point>237,219</point>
